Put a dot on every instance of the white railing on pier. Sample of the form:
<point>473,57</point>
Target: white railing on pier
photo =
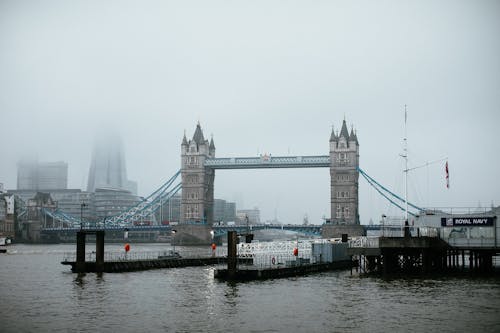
<point>147,255</point>
<point>364,242</point>
<point>277,248</point>
<point>276,254</point>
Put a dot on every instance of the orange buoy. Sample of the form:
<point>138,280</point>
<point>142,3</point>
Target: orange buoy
<point>295,251</point>
<point>214,246</point>
<point>127,247</point>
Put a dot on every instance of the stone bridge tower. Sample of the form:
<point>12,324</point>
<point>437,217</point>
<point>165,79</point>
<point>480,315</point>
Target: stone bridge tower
<point>197,181</point>
<point>344,199</point>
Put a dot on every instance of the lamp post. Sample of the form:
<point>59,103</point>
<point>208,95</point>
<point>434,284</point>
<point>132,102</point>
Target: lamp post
<point>173,239</point>
<point>83,204</point>
<point>212,233</point>
<point>383,224</point>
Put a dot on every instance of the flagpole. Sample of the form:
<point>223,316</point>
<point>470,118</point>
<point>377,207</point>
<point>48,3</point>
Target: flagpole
<point>405,149</point>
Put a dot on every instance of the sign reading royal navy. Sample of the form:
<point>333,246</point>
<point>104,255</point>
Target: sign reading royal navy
<point>466,221</point>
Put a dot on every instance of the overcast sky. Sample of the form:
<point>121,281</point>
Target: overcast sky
<point>262,77</point>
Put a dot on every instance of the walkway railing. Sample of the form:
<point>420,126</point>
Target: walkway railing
<point>147,255</point>
<point>399,231</point>
<point>268,162</point>
<point>364,242</point>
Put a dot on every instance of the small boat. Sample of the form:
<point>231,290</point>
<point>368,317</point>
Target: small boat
<point>4,241</point>
<point>169,255</point>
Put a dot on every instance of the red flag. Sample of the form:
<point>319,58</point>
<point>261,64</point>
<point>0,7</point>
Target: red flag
<point>447,175</point>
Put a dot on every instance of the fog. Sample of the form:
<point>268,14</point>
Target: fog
<point>262,77</point>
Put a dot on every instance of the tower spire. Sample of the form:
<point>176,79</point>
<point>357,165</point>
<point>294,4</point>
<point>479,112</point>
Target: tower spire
<point>343,131</point>
<point>198,135</point>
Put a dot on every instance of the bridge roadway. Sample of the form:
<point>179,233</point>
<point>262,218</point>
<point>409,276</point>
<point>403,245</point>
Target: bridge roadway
<point>311,229</point>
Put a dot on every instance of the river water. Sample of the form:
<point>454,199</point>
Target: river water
<point>38,294</point>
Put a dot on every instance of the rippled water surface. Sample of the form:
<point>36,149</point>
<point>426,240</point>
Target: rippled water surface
<point>38,294</point>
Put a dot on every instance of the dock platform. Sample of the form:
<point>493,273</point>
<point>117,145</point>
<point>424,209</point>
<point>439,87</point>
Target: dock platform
<point>119,266</point>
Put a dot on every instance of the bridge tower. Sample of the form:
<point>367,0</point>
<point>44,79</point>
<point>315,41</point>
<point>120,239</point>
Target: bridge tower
<point>344,175</point>
<point>197,189</point>
<point>197,181</point>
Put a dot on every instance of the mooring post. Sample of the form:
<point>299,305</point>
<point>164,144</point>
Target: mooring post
<point>231,252</point>
<point>80,252</point>
<point>99,250</point>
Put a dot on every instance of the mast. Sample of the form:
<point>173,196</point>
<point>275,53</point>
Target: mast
<point>405,156</point>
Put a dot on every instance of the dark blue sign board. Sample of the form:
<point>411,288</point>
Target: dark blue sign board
<point>467,221</point>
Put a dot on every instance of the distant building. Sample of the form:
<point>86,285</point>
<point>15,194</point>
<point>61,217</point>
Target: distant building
<point>110,202</point>
<point>7,216</point>
<point>107,166</point>
<point>170,211</point>
<point>253,215</point>
<point>34,219</point>
<point>224,211</point>
<point>34,175</point>
<point>69,201</point>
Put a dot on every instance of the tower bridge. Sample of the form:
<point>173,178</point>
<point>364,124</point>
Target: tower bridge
<point>198,165</point>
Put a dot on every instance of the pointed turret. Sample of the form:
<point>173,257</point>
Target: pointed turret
<point>344,132</point>
<point>212,145</point>
<point>333,137</point>
<point>184,139</point>
<point>198,135</point>
<point>352,136</point>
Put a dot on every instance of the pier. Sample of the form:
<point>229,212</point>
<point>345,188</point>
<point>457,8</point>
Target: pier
<point>428,250</point>
<point>276,263</point>
<point>98,261</point>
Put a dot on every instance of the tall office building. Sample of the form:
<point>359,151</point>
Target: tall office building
<point>107,167</point>
<point>34,175</point>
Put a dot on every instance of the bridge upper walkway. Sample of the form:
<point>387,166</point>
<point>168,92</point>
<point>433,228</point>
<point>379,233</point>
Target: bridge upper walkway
<point>266,161</point>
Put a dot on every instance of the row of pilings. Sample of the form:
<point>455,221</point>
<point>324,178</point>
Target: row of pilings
<point>427,261</point>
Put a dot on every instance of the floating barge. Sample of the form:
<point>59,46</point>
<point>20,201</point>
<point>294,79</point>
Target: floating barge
<point>324,257</point>
<point>281,272</point>
<point>119,266</point>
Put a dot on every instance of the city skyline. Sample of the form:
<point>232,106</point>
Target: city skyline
<point>275,88</point>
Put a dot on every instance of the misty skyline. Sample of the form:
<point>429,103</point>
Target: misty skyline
<point>262,77</point>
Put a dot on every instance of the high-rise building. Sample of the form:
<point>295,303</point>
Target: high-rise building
<point>107,167</point>
<point>34,175</point>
